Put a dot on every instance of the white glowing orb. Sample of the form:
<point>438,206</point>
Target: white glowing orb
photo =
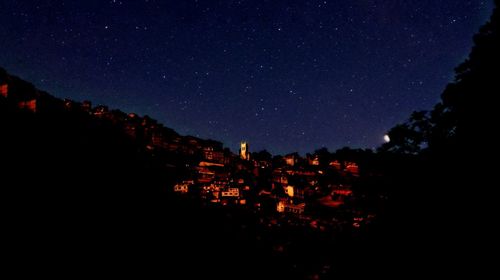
<point>387,139</point>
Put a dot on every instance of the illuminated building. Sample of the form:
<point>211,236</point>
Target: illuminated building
<point>4,90</point>
<point>284,207</point>
<point>231,192</point>
<point>289,191</point>
<point>280,207</point>
<point>352,167</point>
<point>244,151</point>
<point>291,159</point>
<point>295,209</point>
<point>28,105</point>
<point>182,188</point>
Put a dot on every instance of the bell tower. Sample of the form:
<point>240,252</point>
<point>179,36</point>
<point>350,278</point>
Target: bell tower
<point>244,151</point>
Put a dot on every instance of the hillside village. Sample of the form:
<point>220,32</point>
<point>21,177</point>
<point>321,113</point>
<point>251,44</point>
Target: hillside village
<point>323,190</point>
<point>95,160</point>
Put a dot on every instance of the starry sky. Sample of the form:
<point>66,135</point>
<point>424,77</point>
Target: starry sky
<point>283,75</point>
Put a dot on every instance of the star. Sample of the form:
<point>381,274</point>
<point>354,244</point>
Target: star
<point>332,72</point>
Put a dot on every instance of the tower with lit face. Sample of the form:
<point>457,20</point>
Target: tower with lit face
<point>244,151</point>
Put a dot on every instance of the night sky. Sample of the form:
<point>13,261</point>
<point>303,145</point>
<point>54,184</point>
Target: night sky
<point>284,75</point>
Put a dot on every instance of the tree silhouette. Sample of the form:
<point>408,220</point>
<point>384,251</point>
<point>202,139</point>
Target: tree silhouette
<point>461,121</point>
<point>448,148</point>
<point>410,137</point>
<point>262,155</point>
<point>465,110</point>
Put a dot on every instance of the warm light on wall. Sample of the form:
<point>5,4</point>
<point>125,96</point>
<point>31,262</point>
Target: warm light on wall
<point>29,105</point>
<point>280,207</point>
<point>4,90</point>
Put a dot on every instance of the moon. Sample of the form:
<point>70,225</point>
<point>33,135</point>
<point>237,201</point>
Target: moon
<point>387,139</point>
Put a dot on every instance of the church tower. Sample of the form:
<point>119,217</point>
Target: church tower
<point>244,151</point>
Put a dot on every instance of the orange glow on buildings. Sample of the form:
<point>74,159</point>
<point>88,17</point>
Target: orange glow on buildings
<point>4,90</point>
<point>231,192</point>
<point>313,161</point>
<point>352,168</point>
<point>29,105</point>
<point>244,151</point>
<point>212,155</point>
<point>336,164</point>
<point>295,209</point>
<point>291,159</point>
<point>280,207</point>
